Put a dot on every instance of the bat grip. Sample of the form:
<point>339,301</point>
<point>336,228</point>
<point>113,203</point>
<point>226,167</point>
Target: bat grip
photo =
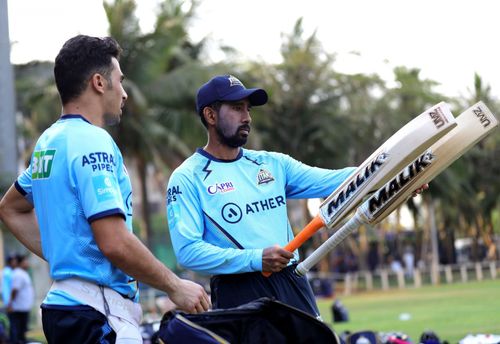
<point>328,245</point>
<point>312,227</point>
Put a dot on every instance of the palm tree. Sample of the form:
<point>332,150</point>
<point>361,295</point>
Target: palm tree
<point>37,101</point>
<point>304,102</point>
<point>151,62</point>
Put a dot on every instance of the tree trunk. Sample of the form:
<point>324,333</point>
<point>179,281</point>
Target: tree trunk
<point>8,139</point>
<point>434,242</point>
<point>145,206</point>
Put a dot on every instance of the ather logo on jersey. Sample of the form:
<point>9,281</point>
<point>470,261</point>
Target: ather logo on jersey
<point>41,164</point>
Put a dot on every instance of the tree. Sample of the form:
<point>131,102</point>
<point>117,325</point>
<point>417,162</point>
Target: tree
<point>38,102</point>
<point>151,61</point>
<point>481,168</point>
<point>304,102</point>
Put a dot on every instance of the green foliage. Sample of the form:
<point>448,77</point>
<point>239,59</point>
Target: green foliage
<point>151,63</point>
<point>304,103</point>
<point>37,100</point>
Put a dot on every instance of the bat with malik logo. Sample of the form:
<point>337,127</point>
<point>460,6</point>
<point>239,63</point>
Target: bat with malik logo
<point>472,125</point>
<point>395,153</point>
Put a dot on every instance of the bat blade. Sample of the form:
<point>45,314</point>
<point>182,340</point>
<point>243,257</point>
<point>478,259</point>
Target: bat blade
<point>395,153</point>
<point>472,125</point>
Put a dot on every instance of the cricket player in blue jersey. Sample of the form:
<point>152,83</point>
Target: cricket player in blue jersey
<point>73,207</point>
<point>226,205</point>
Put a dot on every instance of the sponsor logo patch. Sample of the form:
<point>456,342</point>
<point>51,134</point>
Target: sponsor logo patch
<point>105,188</point>
<point>172,193</point>
<point>220,188</point>
<point>41,164</point>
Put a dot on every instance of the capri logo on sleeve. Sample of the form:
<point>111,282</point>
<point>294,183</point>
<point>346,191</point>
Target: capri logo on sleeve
<point>41,164</point>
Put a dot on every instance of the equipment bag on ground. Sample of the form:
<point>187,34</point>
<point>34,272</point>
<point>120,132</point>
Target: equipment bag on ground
<point>261,321</point>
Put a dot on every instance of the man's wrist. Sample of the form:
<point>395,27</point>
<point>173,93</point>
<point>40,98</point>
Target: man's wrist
<point>172,282</point>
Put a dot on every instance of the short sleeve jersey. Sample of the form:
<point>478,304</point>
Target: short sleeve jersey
<point>222,214</point>
<point>77,175</point>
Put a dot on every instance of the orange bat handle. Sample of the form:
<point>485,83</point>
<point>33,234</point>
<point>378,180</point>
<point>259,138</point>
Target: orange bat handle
<point>312,227</point>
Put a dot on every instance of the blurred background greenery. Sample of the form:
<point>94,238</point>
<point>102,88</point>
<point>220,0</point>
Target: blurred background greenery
<point>316,114</point>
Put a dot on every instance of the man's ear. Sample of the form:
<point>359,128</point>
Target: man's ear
<point>209,115</point>
<point>97,82</point>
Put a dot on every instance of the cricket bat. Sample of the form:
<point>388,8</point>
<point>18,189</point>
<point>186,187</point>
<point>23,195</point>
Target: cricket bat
<point>472,125</point>
<point>394,154</point>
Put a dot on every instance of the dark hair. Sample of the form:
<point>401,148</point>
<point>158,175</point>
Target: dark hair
<point>79,58</point>
<point>11,258</point>
<point>20,257</point>
<point>216,106</point>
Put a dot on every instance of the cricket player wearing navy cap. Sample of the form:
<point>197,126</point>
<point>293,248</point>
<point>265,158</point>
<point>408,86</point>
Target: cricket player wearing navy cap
<point>226,205</point>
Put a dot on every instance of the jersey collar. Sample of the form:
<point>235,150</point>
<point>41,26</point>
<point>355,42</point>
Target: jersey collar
<point>211,157</point>
<point>71,116</point>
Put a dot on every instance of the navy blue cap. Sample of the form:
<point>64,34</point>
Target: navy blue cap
<point>227,88</point>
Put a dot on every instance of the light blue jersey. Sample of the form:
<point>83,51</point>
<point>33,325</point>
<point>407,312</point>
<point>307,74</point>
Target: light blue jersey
<point>76,175</point>
<point>6,285</point>
<point>222,214</point>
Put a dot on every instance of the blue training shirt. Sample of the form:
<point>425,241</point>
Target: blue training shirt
<point>77,175</point>
<point>222,214</point>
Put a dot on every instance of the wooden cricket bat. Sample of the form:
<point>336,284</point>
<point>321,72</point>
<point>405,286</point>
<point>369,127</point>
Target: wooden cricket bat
<point>395,153</point>
<point>472,125</point>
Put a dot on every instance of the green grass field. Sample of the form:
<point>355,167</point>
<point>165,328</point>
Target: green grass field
<point>452,311</point>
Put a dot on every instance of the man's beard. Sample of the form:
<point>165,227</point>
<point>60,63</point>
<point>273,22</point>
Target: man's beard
<point>111,119</point>
<point>233,141</point>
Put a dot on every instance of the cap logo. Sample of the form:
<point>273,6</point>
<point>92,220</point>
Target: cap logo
<point>233,81</point>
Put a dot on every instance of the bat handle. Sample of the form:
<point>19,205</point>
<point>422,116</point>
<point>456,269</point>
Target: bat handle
<point>328,245</point>
<point>312,227</point>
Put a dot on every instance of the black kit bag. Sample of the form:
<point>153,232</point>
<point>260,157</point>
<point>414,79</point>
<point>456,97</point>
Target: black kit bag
<point>261,321</point>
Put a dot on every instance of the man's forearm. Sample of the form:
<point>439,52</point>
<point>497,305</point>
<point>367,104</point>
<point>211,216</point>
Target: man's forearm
<point>24,227</point>
<point>19,217</point>
<point>137,261</point>
<point>125,251</point>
